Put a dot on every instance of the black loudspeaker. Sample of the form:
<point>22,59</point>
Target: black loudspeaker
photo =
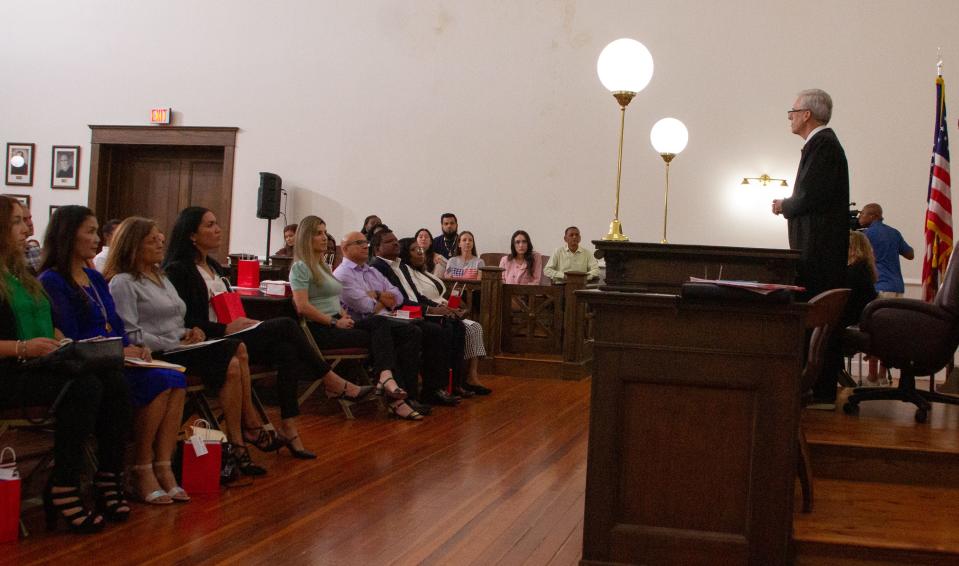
<point>268,197</point>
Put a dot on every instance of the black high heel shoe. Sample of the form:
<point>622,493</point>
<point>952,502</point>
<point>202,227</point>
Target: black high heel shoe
<point>412,415</point>
<point>397,394</point>
<point>111,501</point>
<point>56,511</point>
<point>266,440</point>
<point>299,454</point>
<point>463,392</point>
<point>477,389</point>
<point>245,464</point>
<point>361,395</point>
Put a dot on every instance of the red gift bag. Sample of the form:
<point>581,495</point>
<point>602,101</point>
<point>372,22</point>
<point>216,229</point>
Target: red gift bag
<point>228,307</point>
<point>248,273</point>
<point>415,312</point>
<point>455,300</point>
<point>201,474</point>
<point>202,455</point>
<point>9,497</point>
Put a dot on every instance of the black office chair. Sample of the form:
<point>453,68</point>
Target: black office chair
<point>917,338</point>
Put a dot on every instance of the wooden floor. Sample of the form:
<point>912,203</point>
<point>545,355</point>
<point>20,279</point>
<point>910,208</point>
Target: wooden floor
<point>498,480</point>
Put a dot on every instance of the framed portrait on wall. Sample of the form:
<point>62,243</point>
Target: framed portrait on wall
<point>22,199</point>
<point>65,168</point>
<point>20,164</point>
<point>53,208</point>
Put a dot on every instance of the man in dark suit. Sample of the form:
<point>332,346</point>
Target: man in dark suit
<point>817,214</point>
<point>442,346</point>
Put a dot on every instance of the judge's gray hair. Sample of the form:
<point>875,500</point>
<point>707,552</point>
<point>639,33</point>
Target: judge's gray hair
<point>819,104</point>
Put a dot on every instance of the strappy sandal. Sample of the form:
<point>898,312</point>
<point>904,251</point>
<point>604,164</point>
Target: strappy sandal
<point>111,501</point>
<point>399,393</point>
<point>155,497</point>
<point>176,493</point>
<point>70,500</point>
<point>266,440</point>
<point>413,415</point>
<point>361,395</point>
<point>245,464</point>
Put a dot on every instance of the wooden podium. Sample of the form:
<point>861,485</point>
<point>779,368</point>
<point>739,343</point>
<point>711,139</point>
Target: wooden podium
<point>663,268</point>
<point>692,438</point>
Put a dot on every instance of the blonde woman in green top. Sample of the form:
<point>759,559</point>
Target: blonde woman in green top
<point>93,403</point>
<point>316,294</point>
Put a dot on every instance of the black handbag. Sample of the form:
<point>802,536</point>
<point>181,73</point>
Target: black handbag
<point>88,356</point>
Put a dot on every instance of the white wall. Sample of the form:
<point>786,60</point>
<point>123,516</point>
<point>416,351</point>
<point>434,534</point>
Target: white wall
<point>492,109</point>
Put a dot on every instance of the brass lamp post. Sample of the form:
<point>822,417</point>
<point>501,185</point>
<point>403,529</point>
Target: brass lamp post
<point>624,67</point>
<point>669,137</point>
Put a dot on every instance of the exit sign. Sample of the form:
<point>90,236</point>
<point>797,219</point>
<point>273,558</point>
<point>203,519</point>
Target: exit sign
<point>160,115</point>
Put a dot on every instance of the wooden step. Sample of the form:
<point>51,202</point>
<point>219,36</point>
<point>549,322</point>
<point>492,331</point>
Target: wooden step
<point>883,443</point>
<point>868,524</point>
<point>543,366</point>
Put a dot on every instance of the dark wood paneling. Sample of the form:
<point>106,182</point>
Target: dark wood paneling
<point>163,135</point>
<point>692,430</point>
<point>200,158</point>
<point>663,268</point>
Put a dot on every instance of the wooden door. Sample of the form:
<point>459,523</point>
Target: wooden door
<point>156,173</point>
<point>159,182</point>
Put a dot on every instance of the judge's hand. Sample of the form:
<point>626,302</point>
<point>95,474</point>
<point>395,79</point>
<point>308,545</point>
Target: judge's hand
<point>238,324</point>
<point>778,206</point>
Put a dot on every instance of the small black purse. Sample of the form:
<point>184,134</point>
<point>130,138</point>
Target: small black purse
<point>86,356</point>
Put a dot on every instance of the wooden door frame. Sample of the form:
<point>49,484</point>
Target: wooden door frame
<point>102,135</point>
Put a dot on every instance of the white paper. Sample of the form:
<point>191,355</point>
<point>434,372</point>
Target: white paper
<point>192,346</point>
<point>199,448</point>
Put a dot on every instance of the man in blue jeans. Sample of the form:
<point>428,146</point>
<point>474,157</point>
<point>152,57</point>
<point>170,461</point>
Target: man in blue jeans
<point>887,245</point>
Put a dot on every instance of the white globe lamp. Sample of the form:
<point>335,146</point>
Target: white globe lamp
<point>669,137</point>
<point>624,67</point>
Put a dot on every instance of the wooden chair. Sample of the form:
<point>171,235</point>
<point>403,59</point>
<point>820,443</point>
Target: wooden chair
<point>822,320</point>
<point>335,357</point>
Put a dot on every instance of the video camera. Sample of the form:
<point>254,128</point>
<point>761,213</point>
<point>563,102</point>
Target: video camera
<point>854,217</point>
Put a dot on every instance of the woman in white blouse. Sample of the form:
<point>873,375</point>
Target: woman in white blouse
<point>433,289</point>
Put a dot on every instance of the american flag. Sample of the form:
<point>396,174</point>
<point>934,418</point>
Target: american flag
<point>938,203</point>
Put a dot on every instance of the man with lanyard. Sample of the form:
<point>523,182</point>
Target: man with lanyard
<point>445,243</point>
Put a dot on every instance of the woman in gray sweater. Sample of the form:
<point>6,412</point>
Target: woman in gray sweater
<point>153,315</point>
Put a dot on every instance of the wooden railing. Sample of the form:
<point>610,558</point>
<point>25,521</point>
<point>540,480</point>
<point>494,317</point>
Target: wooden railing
<point>547,322</point>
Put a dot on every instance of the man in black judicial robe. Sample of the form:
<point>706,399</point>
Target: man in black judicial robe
<point>817,214</point>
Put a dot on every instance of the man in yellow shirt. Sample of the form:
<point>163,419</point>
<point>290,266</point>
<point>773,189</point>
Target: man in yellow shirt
<point>571,257</point>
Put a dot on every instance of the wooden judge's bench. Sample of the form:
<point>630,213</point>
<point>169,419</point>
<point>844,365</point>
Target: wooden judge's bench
<point>694,410</point>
